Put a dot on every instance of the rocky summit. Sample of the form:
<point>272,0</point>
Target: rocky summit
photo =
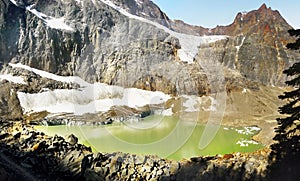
<point>95,62</point>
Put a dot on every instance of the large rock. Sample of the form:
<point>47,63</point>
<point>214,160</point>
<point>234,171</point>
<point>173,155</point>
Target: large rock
<point>9,102</point>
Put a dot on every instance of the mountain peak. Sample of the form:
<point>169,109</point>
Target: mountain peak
<point>263,7</point>
<point>263,21</point>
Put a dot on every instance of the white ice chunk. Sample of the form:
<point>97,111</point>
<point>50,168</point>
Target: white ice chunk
<point>248,130</point>
<point>167,112</point>
<point>245,143</point>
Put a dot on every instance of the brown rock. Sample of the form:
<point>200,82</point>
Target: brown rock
<point>228,156</point>
<point>35,147</point>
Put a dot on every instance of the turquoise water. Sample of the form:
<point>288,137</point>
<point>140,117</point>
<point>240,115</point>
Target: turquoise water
<point>167,137</point>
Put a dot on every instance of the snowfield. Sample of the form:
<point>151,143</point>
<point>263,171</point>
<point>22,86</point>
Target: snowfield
<point>90,98</point>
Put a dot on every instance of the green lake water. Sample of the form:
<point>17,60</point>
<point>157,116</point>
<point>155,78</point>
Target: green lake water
<point>167,137</point>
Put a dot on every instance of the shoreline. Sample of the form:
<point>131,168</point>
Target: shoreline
<point>264,136</point>
<point>57,157</point>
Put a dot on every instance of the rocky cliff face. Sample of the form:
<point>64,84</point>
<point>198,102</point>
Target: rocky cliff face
<point>9,103</point>
<point>257,48</point>
<point>100,44</point>
<point>97,42</point>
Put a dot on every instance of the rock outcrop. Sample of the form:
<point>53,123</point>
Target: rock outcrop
<point>9,102</point>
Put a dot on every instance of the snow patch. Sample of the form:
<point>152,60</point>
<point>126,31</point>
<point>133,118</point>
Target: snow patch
<point>11,78</point>
<point>191,103</point>
<point>14,2</point>
<point>139,2</point>
<point>58,23</point>
<point>167,112</point>
<point>95,98</point>
<point>55,23</point>
<point>238,47</point>
<point>243,15</point>
<point>67,79</point>
<point>244,90</point>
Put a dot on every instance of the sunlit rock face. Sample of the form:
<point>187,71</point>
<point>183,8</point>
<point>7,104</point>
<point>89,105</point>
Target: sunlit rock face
<point>258,50</point>
<point>257,45</point>
<point>101,43</point>
<point>9,103</point>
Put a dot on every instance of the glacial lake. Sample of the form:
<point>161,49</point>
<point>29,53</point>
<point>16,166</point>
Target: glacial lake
<point>165,136</point>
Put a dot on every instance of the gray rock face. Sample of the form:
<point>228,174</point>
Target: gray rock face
<point>106,46</point>
<point>9,102</point>
<point>146,9</point>
<point>254,61</point>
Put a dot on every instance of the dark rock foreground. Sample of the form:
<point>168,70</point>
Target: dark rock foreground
<point>26,154</point>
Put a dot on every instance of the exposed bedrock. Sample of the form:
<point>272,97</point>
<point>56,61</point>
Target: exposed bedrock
<point>102,45</point>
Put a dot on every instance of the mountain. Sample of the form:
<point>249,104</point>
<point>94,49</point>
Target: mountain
<point>257,45</point>
<point>103,45</point>
<point>133,43</point>
<point>93,62</point>
<point>263,32</point>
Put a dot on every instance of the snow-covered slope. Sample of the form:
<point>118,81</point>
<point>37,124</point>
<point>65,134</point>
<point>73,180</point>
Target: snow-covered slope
<point>67,79</point>
<point>90,98</point>
<point>189,43</point>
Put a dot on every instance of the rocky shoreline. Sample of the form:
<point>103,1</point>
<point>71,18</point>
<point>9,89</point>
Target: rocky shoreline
<point>42,157</point>
<point>126,114</point>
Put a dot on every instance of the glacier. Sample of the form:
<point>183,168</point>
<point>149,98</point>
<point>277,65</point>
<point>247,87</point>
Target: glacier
<point>89,98</point>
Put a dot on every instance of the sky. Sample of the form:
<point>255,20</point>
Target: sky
<point>210,13</point>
